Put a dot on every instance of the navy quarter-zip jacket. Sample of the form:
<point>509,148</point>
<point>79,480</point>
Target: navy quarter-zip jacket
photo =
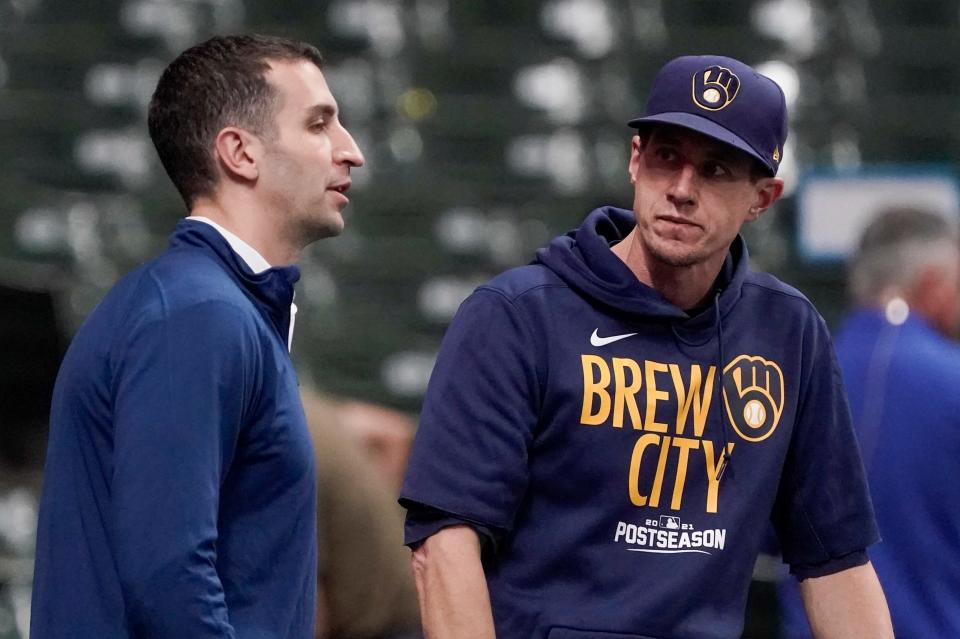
<point>179,495</point>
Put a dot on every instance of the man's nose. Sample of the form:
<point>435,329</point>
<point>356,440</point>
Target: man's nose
<point>682,188</point>
<point>347,151</point>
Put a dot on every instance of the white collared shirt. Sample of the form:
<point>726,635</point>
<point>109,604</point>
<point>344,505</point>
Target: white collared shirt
<point>252,258</point>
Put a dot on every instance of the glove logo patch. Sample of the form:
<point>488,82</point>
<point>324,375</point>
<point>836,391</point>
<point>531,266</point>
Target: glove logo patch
<point>753,396</point>
<point>715,87</point>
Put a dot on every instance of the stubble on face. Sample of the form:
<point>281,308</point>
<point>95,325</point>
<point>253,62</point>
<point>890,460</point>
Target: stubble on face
<point>684,226</point>
<point>672,253</point>
<point>302,166</point>
<point>306,215</point>
<point>679,246</point>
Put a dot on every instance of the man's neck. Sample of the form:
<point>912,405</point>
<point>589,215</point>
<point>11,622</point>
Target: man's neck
<point>686,287</point>
<point>257,230</point>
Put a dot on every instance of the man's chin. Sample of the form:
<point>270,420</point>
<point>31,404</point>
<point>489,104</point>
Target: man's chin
<point>675,254</point>
<point>334,224</point>
<point>328,224</point>
<point>331,229</point>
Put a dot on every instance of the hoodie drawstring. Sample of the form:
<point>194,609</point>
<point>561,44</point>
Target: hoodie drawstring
<point>718,388</point>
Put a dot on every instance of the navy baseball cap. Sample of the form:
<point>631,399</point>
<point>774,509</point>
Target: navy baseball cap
<point>724,99</point>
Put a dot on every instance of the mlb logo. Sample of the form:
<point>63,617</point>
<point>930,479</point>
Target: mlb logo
<point>670,523</point>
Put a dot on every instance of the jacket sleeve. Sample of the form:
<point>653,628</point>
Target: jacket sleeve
<point>469,456</point>
<point>823,513</point>
<point>181,385</point>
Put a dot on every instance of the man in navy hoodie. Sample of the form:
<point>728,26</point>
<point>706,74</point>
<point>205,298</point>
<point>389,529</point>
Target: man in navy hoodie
<point>179,494</point>
<point>609,429</point>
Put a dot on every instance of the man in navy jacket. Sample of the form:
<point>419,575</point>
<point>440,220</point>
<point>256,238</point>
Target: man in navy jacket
<point>179,495</point>
<point>609,429</point>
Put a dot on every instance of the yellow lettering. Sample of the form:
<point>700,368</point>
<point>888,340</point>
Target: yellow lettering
<point>626,395</point>
<point>654,395</point>
<point>634,479</point>
<point>685,445</point>
<point>698,397</point>
<point>713,484</point>
<point>658,479</point>
<point>592,388</point>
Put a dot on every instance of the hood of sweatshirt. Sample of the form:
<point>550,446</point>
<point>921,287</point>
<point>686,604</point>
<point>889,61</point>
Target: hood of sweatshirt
<point>270,291</point>
<point>583,260</point>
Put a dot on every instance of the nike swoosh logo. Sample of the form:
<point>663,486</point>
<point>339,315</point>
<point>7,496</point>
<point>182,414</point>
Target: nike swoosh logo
<point>596,340</point>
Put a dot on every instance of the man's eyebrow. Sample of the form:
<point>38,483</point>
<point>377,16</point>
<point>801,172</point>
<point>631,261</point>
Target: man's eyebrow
<point>324,110</point>
<point>666,138</point>
<point>716,151</point>
<point>725,154</point>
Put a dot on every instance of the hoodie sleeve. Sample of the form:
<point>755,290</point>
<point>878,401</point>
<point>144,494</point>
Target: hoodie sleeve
<point>181,385</point>
<point>823,514</point>
<point>469,457</point>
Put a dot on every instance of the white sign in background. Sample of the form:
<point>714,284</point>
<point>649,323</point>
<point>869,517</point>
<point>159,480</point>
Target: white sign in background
<point>834,207</point>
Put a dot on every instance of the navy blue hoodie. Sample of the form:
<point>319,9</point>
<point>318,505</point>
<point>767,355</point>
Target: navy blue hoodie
<point>179,494</point>
<point>576,419</point>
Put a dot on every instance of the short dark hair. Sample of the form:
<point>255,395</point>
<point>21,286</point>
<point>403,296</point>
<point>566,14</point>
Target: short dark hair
<point>215,84</point>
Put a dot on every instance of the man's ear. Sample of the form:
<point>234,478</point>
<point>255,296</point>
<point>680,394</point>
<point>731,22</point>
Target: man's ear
<point>238,152</point>
<point>934,296</point>
<point>636,148</point>
<point>769,191</point>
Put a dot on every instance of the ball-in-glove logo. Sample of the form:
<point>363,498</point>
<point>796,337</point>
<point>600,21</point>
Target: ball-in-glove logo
<point>753,396</point>
<point>715,87</point>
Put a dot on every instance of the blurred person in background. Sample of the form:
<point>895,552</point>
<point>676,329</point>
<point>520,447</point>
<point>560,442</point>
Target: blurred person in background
<point>179,495</point>
<point>901,366</point>
<point>608,430</point>
<point>366,585</point>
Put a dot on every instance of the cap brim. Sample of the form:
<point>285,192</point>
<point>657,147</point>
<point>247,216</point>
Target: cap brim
<point>706,127</point>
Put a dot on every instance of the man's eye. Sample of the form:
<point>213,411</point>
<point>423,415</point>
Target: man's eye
<point>666,154</point>
<point>715,169</point>
<point>318,126</point>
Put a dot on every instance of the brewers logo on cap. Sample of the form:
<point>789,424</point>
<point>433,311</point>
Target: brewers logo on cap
<point>695,92</point>
<point>715,87</point>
